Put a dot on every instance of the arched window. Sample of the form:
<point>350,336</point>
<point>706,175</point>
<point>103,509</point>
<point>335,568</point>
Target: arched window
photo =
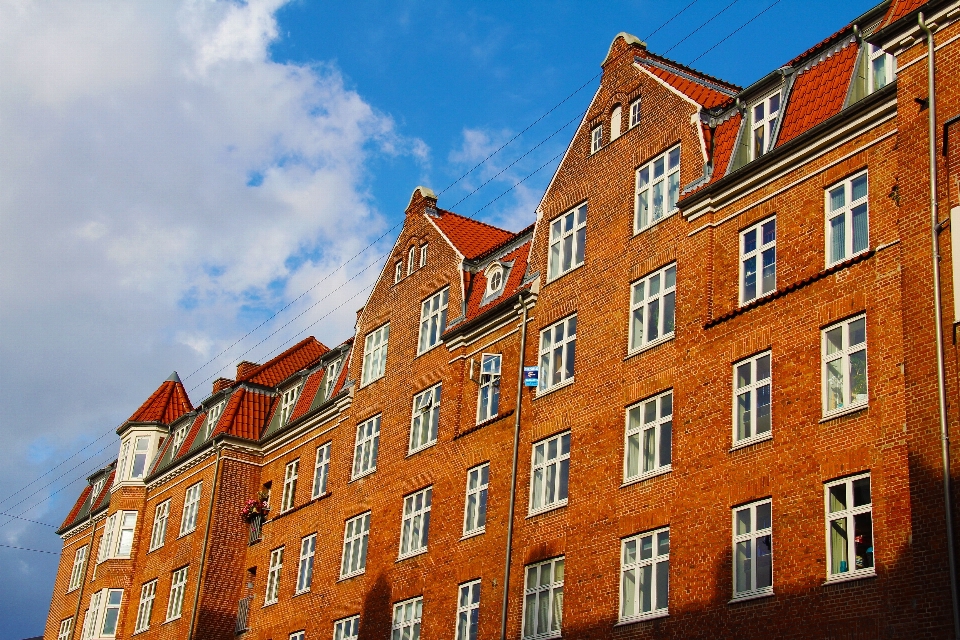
<point>410,263</point>
<point>494,279</point>
<point>615,119</point>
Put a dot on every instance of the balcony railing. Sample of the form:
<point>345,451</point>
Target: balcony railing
<point>255,526</point>
<point>243,609</point>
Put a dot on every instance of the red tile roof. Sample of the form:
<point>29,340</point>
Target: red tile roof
<point>823,44</point>
<point>478,282</point>
<point>300,356</point>
<point>724,139</point>
<point>246,414</point>
<point>191,436</point>
<point>702,95</point>
<point>76,507</point>
<point>104,491</point>
<point>900,8</point>
<point>166,404</point>
<point>469,237</point>
<point>307,394</point>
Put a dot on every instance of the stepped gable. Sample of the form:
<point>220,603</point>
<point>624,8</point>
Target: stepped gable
<point>166,404</point>
<point>703,89</point>
<point>470,237</point>
<point>300,356</point>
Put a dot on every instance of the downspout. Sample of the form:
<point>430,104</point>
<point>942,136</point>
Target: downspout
<point>76,614</point>
<point>203,551</point>
<point>941,385</point>
<point>513,475</point>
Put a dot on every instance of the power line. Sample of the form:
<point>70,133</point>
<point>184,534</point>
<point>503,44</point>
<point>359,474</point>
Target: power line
<point>46,524</point>
<point>709,20</point>
<point>675,16</point>
<point>735,31</point>
<point>10,546</point>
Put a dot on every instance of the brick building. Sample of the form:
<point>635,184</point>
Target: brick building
<point>733,430</point>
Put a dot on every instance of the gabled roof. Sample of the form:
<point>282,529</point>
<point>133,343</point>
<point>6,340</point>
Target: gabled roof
<point>724,139</point>
<point>166,404</point>
<point>300,356</point>
<point>468,236</point>
<point>703,89</point>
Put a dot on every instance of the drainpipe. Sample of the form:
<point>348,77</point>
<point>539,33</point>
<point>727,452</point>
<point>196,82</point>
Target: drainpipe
<point>83,581</point>
<point>203,551</point>
<point>941,386</point>
<point>513,475</point>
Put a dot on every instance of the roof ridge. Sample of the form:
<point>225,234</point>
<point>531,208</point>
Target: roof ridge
<point>691,71</point>
<point>826,42</point>
<point>473,220</point>
<point>513,238</point>
<point>276,359</point>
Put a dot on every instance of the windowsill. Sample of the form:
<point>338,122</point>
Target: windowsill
<point>149,551</point>
<point>543,636</point>
<point>474,533</point>
<point>301,593</point>
<point>553,507</point>
<point>647,476</point>
<point>169,620</point>
<point>428,349</point>
<point>549,390</point>
<point>749,442</point>
<point>651,345</point>
<point>560,275</point>
<point>844,412</point>
<point>850,257</point>
<point>653,615</point>
<point>744,303</point>
<point>851,576</point>
<point>752,595</point>
<point>186,533</point>
<point>363,475</point>
<point>321,496</point>
<point>370,382</point>
<point>430,444</point>
<point>653,224</point>
<point>270,604</point>
<point>350,576</point>
<point>413,554</point>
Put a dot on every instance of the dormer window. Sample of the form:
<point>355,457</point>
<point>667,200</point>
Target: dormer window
<point>635,113</point>
<point>596,138</point>
<point>763,122</point>
<point>411,263</point>
<point>212,416</point>
<point>287,402</point>
<point>179,435</point>
<point>97,488</point>
<point>882,69</point>
<point>615,121</point>
<point>333,373</point>
<point>494,279</point>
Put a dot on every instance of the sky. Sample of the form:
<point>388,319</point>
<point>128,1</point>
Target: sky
<point>185,184</point>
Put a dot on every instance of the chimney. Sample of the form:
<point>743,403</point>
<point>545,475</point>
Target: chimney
<point>244,369</point>
<point>221,383</point>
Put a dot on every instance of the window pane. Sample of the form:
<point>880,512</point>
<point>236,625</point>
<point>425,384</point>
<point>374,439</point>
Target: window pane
<point>859,185</point>
<point>769,274</point>
<point>750,278</point>
<point>834,385</point>
<point>860,230</point>
<point>838,241</point>
<point>863,540</point>
<point>838,546</point>
<point>838,498</point>
<point>663,578</point>
<point>665,443</point>
<point>628,607</point>
<point>857,332</point>
<point>764,563</point>
<point>750,241</point>
<point>743,375</point>
<point>743,416</point>
<point>763,409</point>
<point>861,492</point>
<point>669,301</point>
<point>646,588</point>
<point>837,198</point>
<point>763,516</point>
<point>742,564</point>
<point>743,521</point>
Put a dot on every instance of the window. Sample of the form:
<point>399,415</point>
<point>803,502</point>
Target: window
<point>615,120</point>
<point>406,619</point>
<point>375,354</point>
<point>882,69</point>
<point>645,575</point>
<point>177,585</point>
<point>91,615</point>
<point>468,610</point>
<point>758,249</point>
<point>66,629</point>
<point>273,577</point>
<point>568,234</point>
<point>635,113</point>
<point>596,139</point>
<point>558,345</point>
<point>657,180</point>
<point>347,629</point>
<point>213,415</point>
<point>298,635</point>
<point>426,415</point>
<point>423,255</point>
<point>763,123</point>
<point>287,403</point>
<point>191,502</point>
<point>355,535</point>
<point>160,517</point>
<point>290,475</point>
<point>411,260</point>
<point>178,436</point>
<point>494,280</point>
<point>106,539</point>
<point>127,524</point>
<point>398,271</point>
<point>849,508</point>
<point>321,470</point>
<point>845,365</point>
<point>308,547</point>
<point>488,402</point>
<point>649,438</point>
<point>543,599</point>
<point>365,452</point>
<point>752,550</point>
<point>550,470</point>
<point>140,450</point>
<point>103,614</point>
<point>147,594</point>
<point>847,226</point>
<point>79,564</point>
<point>653,302</point>
<point>475,506</point>
<point>751,399</point>
<point>331,376</point>
<point>433,320</point>
<point>122,463</point>
<point>97,487</point>
<point>416,522</point>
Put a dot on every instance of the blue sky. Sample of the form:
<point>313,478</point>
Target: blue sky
<point>178,174</point>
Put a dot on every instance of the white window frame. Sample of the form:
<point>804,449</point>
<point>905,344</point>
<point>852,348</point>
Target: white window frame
<point>366,447</point>
<point>406,619</point>
<point>643,303</point>
<point>213,416</point>
<point>308,549</point>
<point>272,593</point>
<point>298,635</point>
<point>616,122</point>
<point>356,533</point>
<point>647,184</point>
<point>66,629</point>
<point>475,502</point>
<point>398,271</point>
<point>161,516</point>
<point>640,432</point>
<point>178,584</point>
<point>533,592</point>
<point>752,536</point>
<point>468,610</point>
<point>488,394</point>
<point>375,354</point>
<point>425,419</point>
<point>847,355</point>
<point>540,471</point>
<point>411,260</point>
<point>568,240</point>
<point>91,616</point>
<point>557,340</point>
<point>847,515</point>
<point>634,113</point>
<point>148,592</point>
<point>79,568</point>
<point>889,68</point>
<point>321,471</point>
<point>751,393</point>
<point>423,255</point>
<point>846,211</point>
<point>191,507</point>
<point>179,435</point>
<point>655,545</point>
<point>332,375</point>
<point>126,527</point>
<point>495,279</point>
<point>122,461</point>
<point>288,401</point>
<point>596,138</point>
<point>106,539</point>
<point>761,251</point>
<point>347,628</point>
<point>97,488</point>
<point>141,455</point>
<point>291,474</point>
<point>97,617</point>
<point>765,124</point>
<point>433,320</point>
<point>415,523</point>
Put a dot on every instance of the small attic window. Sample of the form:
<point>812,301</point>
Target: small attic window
<point>411,262</point>
<point>212,416</point>
<point>398,271</point>
<point>97,487</point>
<point>615,121</point>
<point>178,437</point>
<point>635,113</point>
<point>494,279</point>
<point>882,69</point>
<point>423,255</point>
<point>596,138</point>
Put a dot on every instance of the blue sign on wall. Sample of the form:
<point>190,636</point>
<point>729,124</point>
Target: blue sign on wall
<point>530,376</point>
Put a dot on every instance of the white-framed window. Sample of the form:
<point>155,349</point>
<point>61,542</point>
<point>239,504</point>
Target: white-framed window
<point>549,472</point>
<point>596,138</point>
<point>141,449</point>
<point>356,532</point>
<point>653,302</point>
<point>752,550</point>
<point>426,416</point>
<point>635,113</point>
<point>79,565</point>
<point>758,253</point>
<point>494,279</point>
<point>287,403</point>
<point>122,461</point>
<point>406,619</point>
<point>543,599</point>
<point>308,548</point>
<point>558,346</point>
<point>102,616</point>
<point>117,538</point>
<point>273,577</point>
<point>347,629</point>
<point>844,357</point>
<point>90,616</point>
<point>847,219</point>
<point>106,539</point>
<point>616,118</point>
<point>468,610</point>
<point>752,381</point>
<point>475,505</point>
<point>365,451</point>
<point>331,376</point>
<point>849,517</point>
<point>411,260</point>
<point>298,635</point>
<point>423,255</point>
<point>321,469</point>
<point>658,189</point>
<point>290,475</point>
<point>398,271</point>
<point>160,518</point>
<point>882,69</point>
<point>375,354</point>
<point>178,584</point>
<point>213,415</point>
<point>433,320</point>
<point>645,575</point>
<point>763,121</point>
<point>191,503</point>
<point>66,629</point>
<point>147,594</point>
<point>97,488</point>
<point>488,398</point>
<point>179,434</point>
<point>568,237</point>
<point>649,438</point>
<point>415,529</point>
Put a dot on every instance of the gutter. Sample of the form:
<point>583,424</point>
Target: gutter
<point>203,551</point>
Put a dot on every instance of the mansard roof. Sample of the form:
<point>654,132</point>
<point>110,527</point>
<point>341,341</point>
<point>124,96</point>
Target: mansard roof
<point>88,503</point>
<point>166,404</point>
